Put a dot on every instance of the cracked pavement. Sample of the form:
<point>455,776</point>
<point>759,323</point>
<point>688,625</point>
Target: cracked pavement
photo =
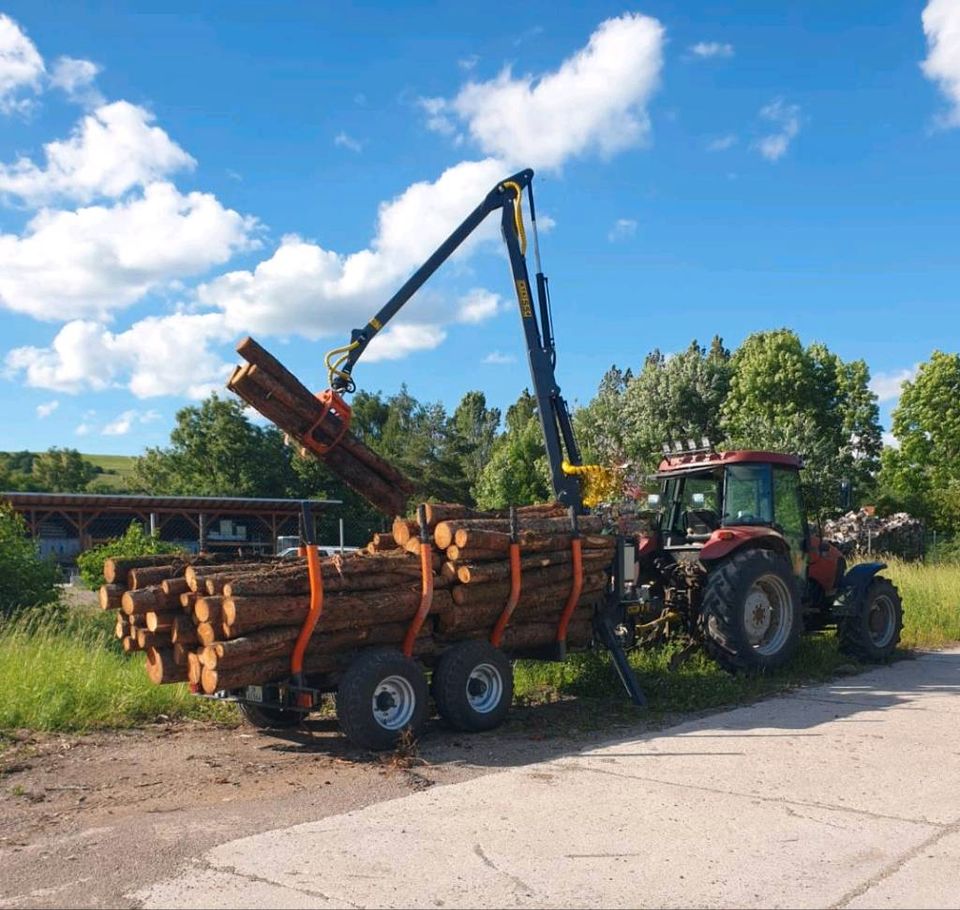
<point>839,795</point>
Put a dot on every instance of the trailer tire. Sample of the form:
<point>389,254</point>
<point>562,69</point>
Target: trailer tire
<point>872,634</point>
<point>270,718</point>
<point>752,618</point>
<point>473,686</point>
<point>381,694</point>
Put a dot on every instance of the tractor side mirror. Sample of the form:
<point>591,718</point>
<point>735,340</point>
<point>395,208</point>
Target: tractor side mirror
<point>653,500</point>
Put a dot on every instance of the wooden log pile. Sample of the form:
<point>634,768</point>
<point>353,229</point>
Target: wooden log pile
<point>224,626</point>
<point>265,384</point>
<point>862,533</point>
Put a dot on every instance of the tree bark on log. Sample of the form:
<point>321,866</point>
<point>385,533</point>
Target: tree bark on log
<point>553,578</point>
<point>463,619</point>
<point>147,639</point>
<point>445,532</point>
<point>110,596</point>
<point>184,631</point>
<point>208,609</point>
<point>174,587</point>
<point>484,572</point>
<point>468,539</point>
<point>244,615</point>
<point>300,584</point>
<point>278,642</point>
<point>262,672</point>
<point>160,621</point>
<point>380,484</point>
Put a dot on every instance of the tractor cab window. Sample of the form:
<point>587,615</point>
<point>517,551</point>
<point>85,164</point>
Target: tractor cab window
<point>749,496</point>
<point>789,515</point>
<point>693,506</point>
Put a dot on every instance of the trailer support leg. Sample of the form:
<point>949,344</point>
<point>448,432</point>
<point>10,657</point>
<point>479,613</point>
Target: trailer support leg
<point>604,629</point>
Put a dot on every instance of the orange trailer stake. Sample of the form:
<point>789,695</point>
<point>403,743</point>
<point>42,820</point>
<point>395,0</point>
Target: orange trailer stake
<point>426,599</point>
<point>512,599</point>
<point>575,589</point>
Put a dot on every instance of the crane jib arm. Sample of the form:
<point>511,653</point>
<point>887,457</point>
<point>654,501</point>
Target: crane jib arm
<point>507,196</point>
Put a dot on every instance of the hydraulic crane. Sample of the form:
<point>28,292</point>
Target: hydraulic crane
<point>563,453</point>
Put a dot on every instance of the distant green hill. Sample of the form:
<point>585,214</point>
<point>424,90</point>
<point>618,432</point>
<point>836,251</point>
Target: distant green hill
<point>117,469</point>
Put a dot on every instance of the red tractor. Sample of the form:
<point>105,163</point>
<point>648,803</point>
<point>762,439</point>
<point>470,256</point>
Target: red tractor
<point>730,557</point>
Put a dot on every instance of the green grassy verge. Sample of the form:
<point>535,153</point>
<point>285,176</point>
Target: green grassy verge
<point>71,676</point>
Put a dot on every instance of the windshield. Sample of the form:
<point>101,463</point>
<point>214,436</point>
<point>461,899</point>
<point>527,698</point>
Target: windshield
<point>749,497</point>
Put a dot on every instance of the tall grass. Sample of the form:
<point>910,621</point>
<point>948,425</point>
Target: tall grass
<point>931,602</point>
<point>71,676</point>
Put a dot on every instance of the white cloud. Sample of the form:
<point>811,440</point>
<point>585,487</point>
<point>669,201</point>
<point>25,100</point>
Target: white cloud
<point>890,440</point>
<point>110,151</point>
<point>595,101</point>
<point>707,49</point>
<point>786,120</point>
<point>438,118</point>
<point>402,339</point>
<point>499,359</point>
<point>124,423</point>
<point>47,408</point>
<point>887,386</point>
<point>308,290</point>
<point>159,355</point>
<point>722,143</point>
<point>622,229</point>
<point>479,305</point>
<point>21,67</point>
<point>76,78</point>
<point>469,62</point>
<point>941,25</point>
<point>88,262</point>
<point>83,429</point>
<point>346,141</point>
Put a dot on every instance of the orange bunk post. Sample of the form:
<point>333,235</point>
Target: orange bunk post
<point>426,584</point>
<point>515,582</point>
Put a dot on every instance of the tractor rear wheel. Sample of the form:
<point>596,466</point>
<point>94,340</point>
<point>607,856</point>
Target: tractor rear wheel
<point>751,616</point>
<point>873,632</point>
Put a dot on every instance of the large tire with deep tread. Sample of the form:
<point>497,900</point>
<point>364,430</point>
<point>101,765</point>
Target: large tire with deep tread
<point>725,606</point>
<point>265,718</point>
<point>473,686</point>
<point>382,694</point>
<point>873,633</point>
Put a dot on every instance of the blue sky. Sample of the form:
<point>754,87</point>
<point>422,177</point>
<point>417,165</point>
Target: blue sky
<point>171,182</point>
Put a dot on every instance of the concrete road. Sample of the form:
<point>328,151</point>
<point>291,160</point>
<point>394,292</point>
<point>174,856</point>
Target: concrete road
<point>843,795</point>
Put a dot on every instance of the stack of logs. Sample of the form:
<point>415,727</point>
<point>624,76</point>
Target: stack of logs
<point>224,626</point>
<point>863,533</point>
<point>267,385</point>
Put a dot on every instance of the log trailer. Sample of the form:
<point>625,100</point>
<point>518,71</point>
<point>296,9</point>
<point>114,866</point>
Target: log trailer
<point>726,555</point>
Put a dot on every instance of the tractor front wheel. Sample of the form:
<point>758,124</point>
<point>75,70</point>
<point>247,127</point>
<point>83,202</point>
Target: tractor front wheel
<point>872,633</point>
<point>751,616</point>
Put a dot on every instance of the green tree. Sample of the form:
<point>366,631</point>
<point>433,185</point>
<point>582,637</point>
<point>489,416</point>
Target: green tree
<point>808,401</point>
<point>475,428</point>
<point>25,579</point>
<point>516,473</point>
<point>672,398</point>
<point>133,542</point>
<point>924,474</point>
<point>215,450</point>
<point>62,471</point>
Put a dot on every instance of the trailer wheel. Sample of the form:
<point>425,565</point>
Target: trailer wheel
<point>873,632</point>
<point>382,694</point>
<point>270,718</point>
<point>473,686</point>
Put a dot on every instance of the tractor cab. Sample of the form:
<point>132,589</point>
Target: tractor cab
<point>712,503</point>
